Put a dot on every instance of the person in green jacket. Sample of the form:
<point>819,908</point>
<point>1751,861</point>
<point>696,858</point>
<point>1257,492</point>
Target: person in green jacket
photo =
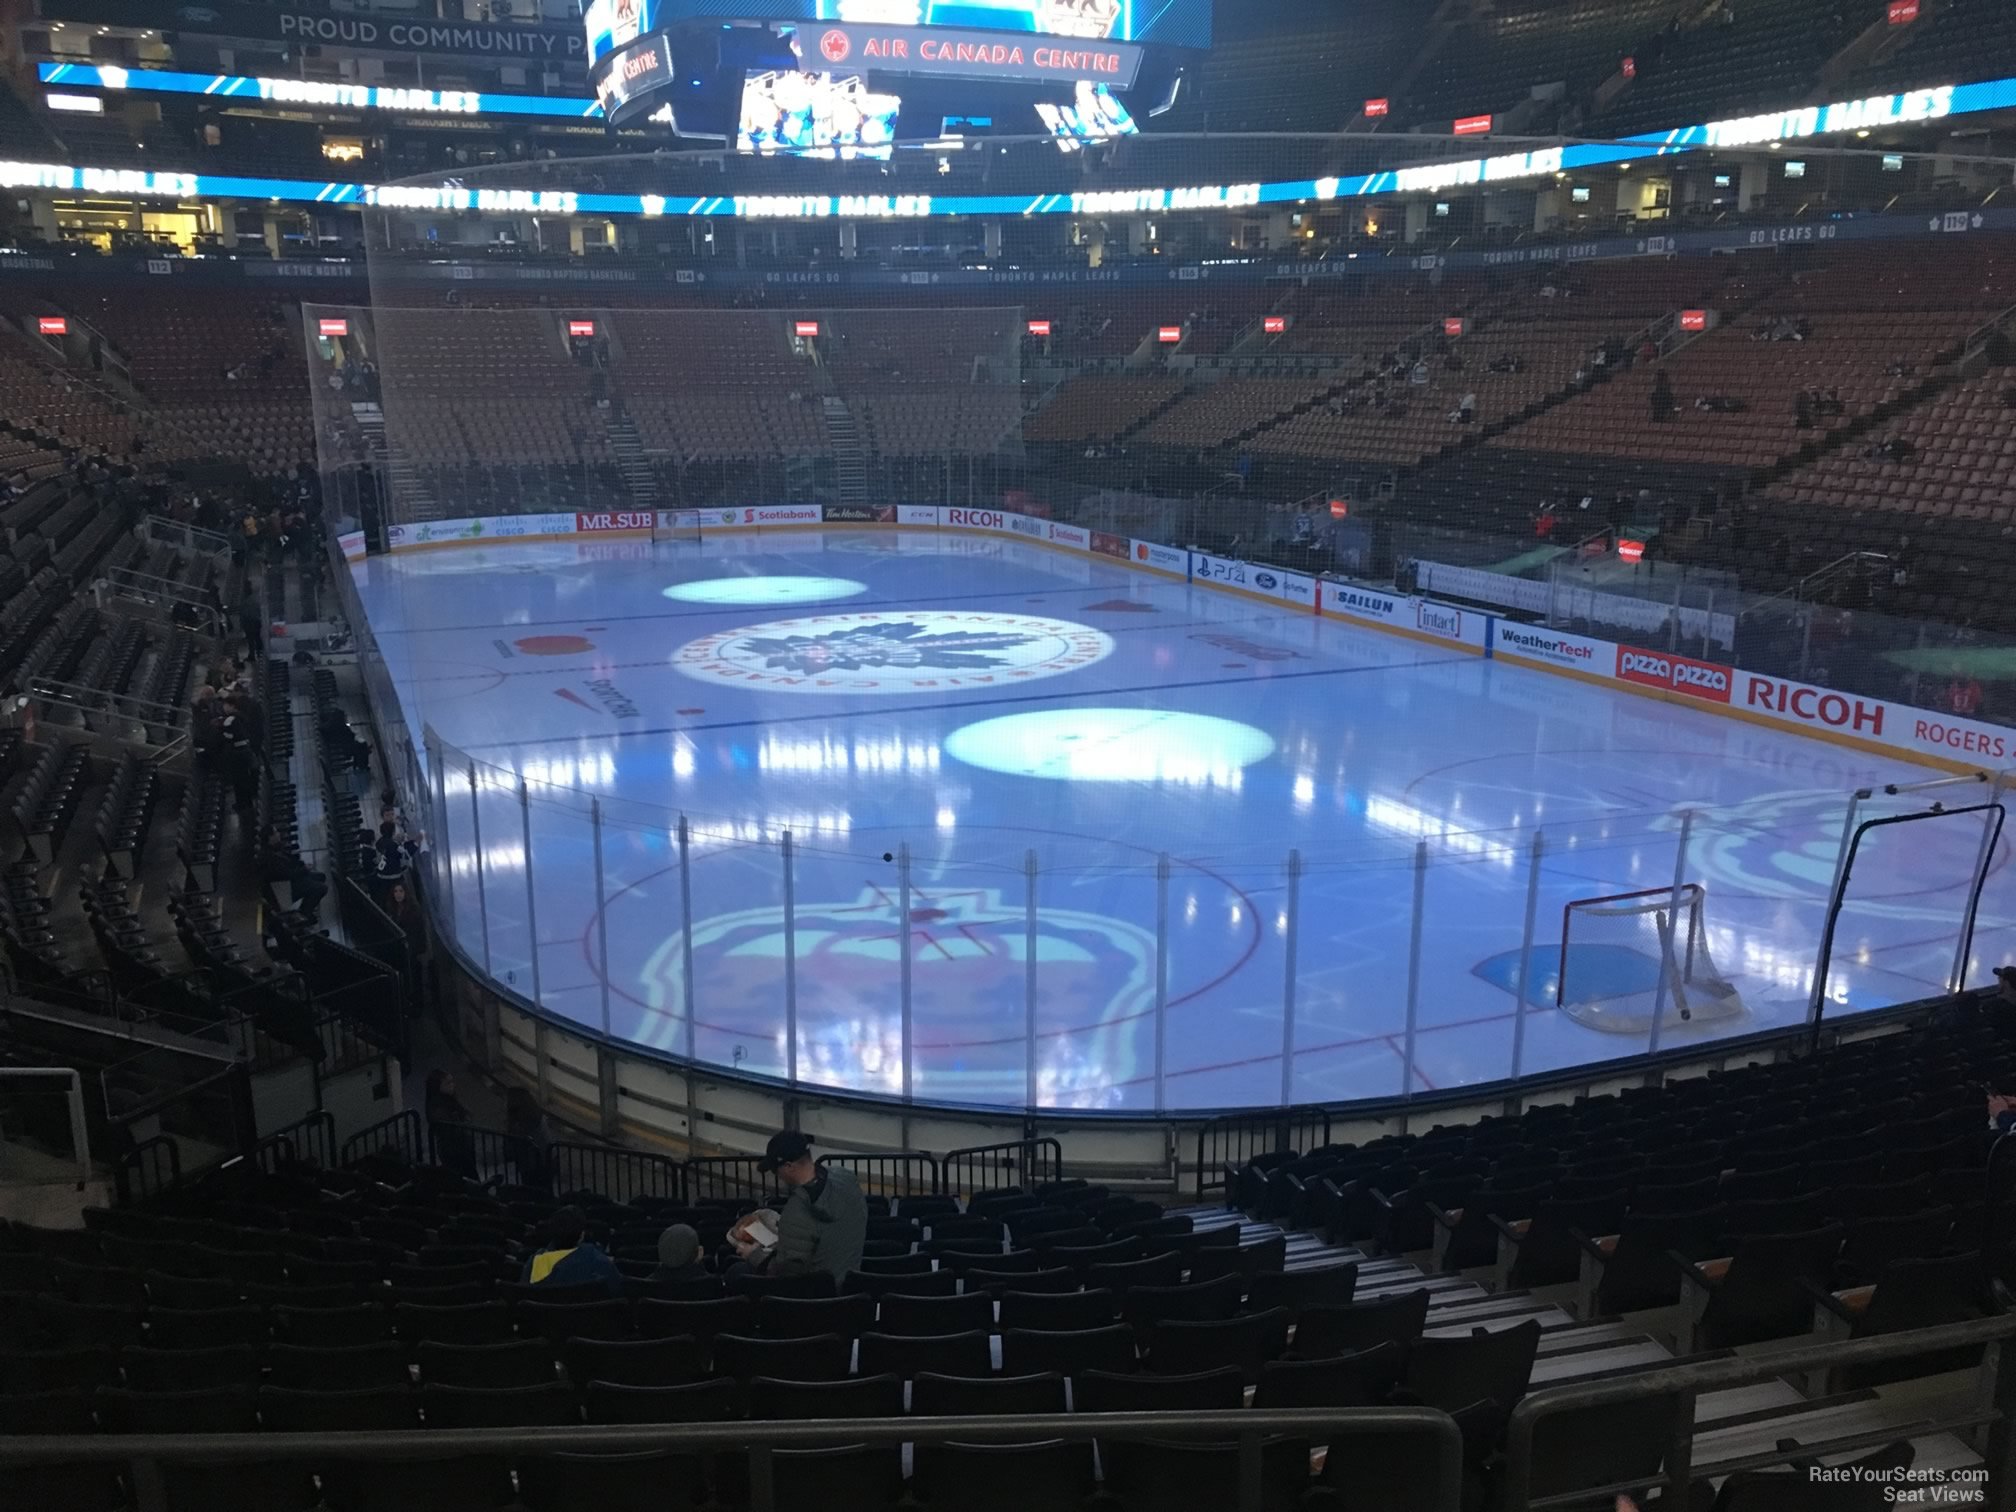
<point>823,1225</point>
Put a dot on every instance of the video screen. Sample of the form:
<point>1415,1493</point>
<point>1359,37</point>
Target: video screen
<point>816,115</point>
<point>1058,18</point>
<point>1092,116</point>
<point>1168,23</point>
<point>617,23</point>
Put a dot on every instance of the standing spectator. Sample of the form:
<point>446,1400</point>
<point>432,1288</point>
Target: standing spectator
<point>1963,696</point>
<point>531,1140</point>
<point>448,1122</point>
<point>252,623</point>
<point>405,911</point>
<point>1662,397</point>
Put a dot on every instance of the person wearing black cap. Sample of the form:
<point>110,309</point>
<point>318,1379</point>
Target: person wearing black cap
<point>824,1224</point>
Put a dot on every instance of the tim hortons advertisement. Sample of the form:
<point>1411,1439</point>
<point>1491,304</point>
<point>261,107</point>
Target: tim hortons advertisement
<point>1161,558</point>
<point>1109,545</point>
<point>1556,648</point>
<point>634,519</point>
<point>860,514</point>
<point>1675,674</point>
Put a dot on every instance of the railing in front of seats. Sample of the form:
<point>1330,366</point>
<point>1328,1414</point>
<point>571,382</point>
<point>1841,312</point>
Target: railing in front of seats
<point>1250,1428</point>
<point>615,1173</point>
<point>402,1134</point>
<point>891,1173</point>
<point>1685,1382</point>
<point>150,1168</point>
<point>1019,1162</point>
<point>731,1177</point>
<point>1238,1137</point>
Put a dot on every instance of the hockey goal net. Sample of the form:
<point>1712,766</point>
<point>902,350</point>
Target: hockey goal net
<point>1629,958</point>
<point>676,525</point>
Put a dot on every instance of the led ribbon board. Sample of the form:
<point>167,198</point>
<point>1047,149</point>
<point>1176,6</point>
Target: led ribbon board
<point>315,94</point>
<point>1910,106</point>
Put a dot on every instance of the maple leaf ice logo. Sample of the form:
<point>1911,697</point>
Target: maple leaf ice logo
<point>894,645</point>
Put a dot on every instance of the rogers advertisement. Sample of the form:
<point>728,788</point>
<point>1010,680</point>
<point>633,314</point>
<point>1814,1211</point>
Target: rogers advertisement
<point>1109,545</point>
<point>1676,674</point>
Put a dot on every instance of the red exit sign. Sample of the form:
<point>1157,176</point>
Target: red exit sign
<point>333,327</point>
<point>580,328</point>
<point>1377,108</point>
<point>1903,12</point>
<point>52,325</point>
<point>1693,320</point>
<point>1274,325</point>
<point>1452,325</point>
<point>1039,328</point>
<point>1169,335</point>
<point>1472,126</point>
<point>806,328</point>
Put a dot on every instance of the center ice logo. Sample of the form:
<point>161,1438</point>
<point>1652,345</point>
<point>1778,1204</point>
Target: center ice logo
<point>968,950</point>
<point>894,652</point>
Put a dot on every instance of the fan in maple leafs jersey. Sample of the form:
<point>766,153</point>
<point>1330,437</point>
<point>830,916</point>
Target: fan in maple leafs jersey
<point>897,645</point>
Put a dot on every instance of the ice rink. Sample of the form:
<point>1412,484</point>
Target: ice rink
<point>1021,719</point>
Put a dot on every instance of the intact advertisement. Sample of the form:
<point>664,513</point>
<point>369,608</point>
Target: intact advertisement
<point>1161,559</point>
<point>1444,620</point>
<point>1675,674</point>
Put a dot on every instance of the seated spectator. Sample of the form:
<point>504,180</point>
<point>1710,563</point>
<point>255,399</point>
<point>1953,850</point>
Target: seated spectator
<point>564,1257</point>
<point>1720,404</point>
<point>679,1255</point>
<point>1465,411</point>
<point>1507,362</point>
<point>279,863</point>
<point>1828,402</point>
<point>1891,449</point>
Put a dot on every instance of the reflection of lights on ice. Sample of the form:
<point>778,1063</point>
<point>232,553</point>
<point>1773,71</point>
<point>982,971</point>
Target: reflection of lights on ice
<point>1114,745</point>
<point>765,831</point>
<point>831,754</point>
<point>1236,914</point>
<point>765,590</point>
<point>947,819</point>
<point>1398,818</point>
<point>682,759</point>
<point>496,858</point>
<point>1305,790</point>
<point>1281,922</point>
<point>1190,909</point>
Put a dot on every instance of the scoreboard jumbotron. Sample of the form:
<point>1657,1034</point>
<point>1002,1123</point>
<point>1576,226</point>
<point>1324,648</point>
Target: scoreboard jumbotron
<point>687,62</point>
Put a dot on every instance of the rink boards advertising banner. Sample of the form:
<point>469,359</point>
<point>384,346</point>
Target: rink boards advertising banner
<point>1871,723</point>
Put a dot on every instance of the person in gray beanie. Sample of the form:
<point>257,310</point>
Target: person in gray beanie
<point>679,1255</point>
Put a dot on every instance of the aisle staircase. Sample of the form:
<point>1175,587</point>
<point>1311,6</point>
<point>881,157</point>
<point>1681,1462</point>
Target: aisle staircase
<point>628,447</point>
<point>850,450</point>
<point>414,499</point>
<point>1729,1424</point>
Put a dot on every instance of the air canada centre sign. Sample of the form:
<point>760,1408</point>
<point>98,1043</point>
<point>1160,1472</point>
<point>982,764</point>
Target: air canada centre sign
<point>955,52</point>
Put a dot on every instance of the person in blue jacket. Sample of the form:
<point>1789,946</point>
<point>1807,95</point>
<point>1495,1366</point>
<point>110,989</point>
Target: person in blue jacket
<point>564,1257</point>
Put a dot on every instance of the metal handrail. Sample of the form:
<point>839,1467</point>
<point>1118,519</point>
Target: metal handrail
<point>1040,1160</point>
<point>145,1161</point>
<point>1248,1427</point>
<point>1687,1381</point>
<point>80,1133</point>
<point>1279,1124</point>
<point>402,1132</point>
<point>893,1173</point>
